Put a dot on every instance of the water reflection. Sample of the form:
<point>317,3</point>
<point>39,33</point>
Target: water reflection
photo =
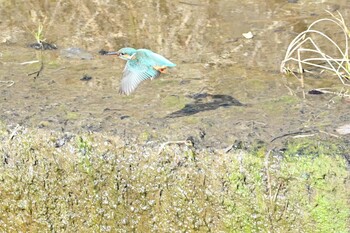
<point>190,30</point>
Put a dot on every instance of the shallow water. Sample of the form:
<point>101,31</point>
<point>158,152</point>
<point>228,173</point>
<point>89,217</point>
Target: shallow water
<point>224,87</point>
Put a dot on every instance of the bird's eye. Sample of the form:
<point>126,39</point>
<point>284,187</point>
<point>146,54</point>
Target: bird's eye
<point>122,54</point>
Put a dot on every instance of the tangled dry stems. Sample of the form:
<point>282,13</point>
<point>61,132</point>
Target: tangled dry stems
<point>307,52</point>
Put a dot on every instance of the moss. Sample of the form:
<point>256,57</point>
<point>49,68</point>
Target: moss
<point>302,190</point>
<point>191,120</point>
<point>288,99</point>
<point>44,124</point>
<point>144,136</point>
<point>174,102</point>
<point>54,64</point>
<point>278,106</point>
<point>92,182</point>
<point>72,115</point>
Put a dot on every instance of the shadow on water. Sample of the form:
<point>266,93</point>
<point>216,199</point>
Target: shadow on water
<point>205,102</point>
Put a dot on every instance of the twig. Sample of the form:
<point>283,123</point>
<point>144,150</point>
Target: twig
<point>291,134</point>
<point>229,148</point>
<point>291,92</point>
<point>191,4</point>
<point>14,132</point>
<point>284,210</point>
<point>329,134</point>
<point>29,62</point>
<point>340,94</point>
<point>37,73</point>
<point>277,191</point>
<point>186,142</point>
<point>268,176</point>
<point>7,83</point>
<point>304,135</point>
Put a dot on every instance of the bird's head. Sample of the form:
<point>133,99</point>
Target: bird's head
<point>124,53</point>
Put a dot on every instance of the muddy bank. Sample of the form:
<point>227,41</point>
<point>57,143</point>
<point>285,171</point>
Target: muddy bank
<point>100,182</point>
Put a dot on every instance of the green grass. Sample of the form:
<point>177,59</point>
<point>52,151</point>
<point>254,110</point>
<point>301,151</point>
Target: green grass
<point>98,183</point>
<point>39,34</point>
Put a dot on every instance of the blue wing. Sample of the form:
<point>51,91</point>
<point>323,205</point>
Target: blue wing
<point>134,73</point>
<point>141,67</point>
<point>153,59</point>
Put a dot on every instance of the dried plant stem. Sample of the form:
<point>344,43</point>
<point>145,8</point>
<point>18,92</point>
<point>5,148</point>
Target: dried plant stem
<point>339,65</point>
<point>7,83</point>
<point>184,142</point>
<point>37,73</point>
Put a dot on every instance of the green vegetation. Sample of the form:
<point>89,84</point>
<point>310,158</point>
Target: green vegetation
<point>100,183</point>
<point>39,34</point>
<point>303,189</point>
<point>176,102</point>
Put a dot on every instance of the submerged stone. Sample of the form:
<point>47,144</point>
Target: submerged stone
<point>43,46</point>
<point>86,78</point>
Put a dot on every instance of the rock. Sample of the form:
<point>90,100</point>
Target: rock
<point>344,129</point>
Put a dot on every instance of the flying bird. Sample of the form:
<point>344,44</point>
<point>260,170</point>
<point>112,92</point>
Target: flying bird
<point>141,64</point>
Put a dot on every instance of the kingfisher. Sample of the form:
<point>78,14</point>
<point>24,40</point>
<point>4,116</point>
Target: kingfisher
<point>141,64</point>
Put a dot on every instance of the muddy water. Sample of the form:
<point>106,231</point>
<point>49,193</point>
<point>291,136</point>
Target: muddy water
<point>224,88</point>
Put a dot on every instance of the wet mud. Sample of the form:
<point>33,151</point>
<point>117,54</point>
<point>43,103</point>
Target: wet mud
<point>225,85</point>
